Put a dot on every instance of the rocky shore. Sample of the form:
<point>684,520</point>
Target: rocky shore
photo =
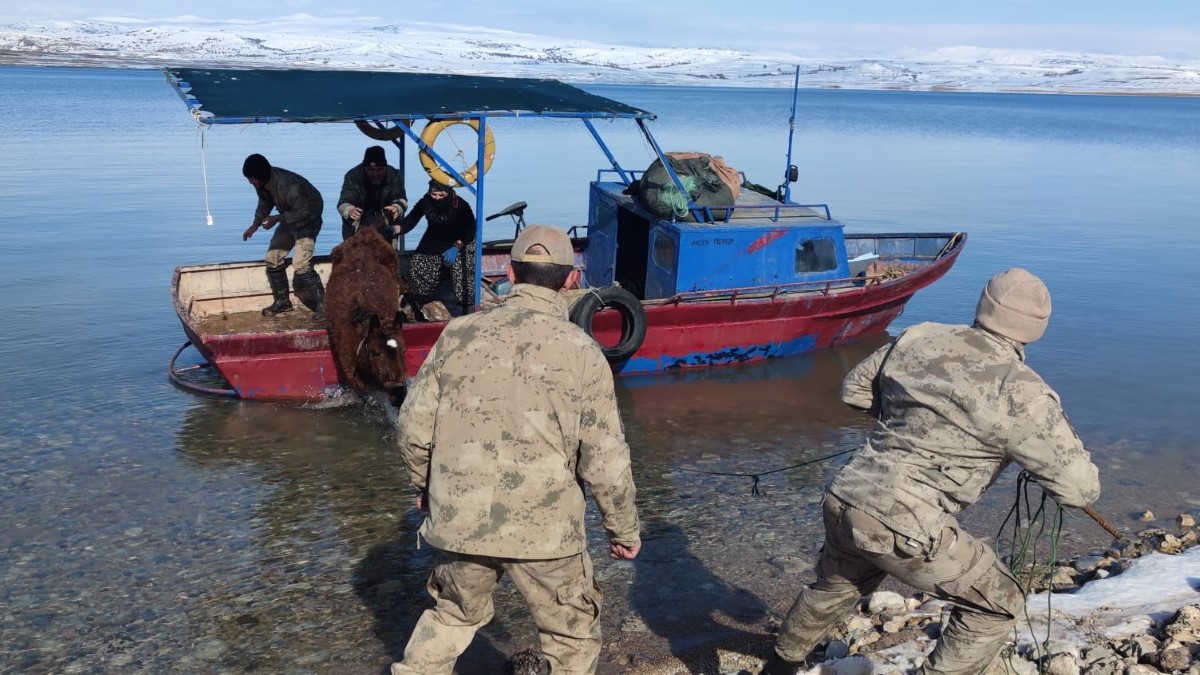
<point>1132,608</point>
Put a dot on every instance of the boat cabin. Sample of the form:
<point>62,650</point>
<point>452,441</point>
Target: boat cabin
<point>759,243</point>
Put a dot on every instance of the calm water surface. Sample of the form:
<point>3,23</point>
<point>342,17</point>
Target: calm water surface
<point>147,530</point>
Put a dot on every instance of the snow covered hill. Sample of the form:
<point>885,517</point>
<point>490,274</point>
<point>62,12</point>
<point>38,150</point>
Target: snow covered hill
<point>361,44</point>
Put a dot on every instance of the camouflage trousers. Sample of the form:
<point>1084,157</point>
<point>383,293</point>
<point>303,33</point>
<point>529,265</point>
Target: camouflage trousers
<point>561,594</point>
<point>285,238</point>
<point>860,551</point>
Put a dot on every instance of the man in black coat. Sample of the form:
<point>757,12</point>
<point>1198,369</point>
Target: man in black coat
<point>372,194</point>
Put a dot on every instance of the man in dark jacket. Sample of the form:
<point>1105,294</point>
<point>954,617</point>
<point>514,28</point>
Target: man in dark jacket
<point>372,193</point>
<point>299,205</point>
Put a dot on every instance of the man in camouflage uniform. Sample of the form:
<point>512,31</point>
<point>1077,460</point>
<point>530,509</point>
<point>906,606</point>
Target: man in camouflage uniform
<point>299,205</point>
<point>372,192</point>
<point>956,406</point>
<point>511,413</point>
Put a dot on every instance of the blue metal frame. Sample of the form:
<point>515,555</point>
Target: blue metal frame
<point>481,144</point>
<point>625,178</point>
<point>478,189</point>
<point>787,184</point>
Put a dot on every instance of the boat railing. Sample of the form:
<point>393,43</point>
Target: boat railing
<point>733,295</point>
<point>898,268</point>
<point>772,212</point>
<point>723,213</point>
<point>903,245</point>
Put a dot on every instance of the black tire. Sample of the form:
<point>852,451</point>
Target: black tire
<point>633,319</point>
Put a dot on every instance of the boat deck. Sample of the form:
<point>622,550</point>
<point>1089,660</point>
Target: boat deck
<point>252,321</point>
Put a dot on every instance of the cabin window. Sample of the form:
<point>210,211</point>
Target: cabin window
<point>664,251</point>
<point>815,255</point>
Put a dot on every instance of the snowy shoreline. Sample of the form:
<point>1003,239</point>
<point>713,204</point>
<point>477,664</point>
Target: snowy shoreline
<point>379,45</point>
<point>7,59</point>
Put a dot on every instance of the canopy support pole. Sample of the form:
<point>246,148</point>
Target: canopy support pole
<point>607,153</point>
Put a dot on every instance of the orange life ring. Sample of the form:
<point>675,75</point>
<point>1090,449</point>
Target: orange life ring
<point>377,133</point>
<point>430,133</point>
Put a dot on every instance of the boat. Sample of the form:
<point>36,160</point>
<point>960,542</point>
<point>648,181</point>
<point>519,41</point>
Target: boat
<point>709,284</point>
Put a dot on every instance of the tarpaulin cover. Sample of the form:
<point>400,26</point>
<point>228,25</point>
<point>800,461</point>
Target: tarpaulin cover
<point>246,96</point>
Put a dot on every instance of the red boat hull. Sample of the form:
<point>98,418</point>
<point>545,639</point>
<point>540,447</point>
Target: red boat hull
<point>700,335</point>
<point>297,365</point>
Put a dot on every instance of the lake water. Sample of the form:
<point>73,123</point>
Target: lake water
<point>148,530</point>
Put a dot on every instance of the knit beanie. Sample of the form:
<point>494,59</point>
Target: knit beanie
<point>374,156</point>
<point>1015,304</point>
<point>257,167</point>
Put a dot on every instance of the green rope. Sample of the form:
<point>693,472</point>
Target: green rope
<point>677,201</point>
<point>1023,555</point>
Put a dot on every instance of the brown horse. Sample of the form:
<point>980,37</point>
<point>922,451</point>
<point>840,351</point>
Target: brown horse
<point>362,301</point>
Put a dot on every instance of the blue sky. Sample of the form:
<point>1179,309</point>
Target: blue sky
<point>1166,27</point>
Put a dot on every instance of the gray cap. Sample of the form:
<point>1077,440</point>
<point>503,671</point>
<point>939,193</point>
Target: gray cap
<point>553,240</point>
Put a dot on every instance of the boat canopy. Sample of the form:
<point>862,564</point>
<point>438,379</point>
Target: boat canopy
<point>219,96</point>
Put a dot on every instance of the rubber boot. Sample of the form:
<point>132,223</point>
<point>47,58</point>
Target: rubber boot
<point>777,665</point>
<point>277,277</point>
<point>311,281</point>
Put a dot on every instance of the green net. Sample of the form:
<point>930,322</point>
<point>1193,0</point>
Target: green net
<point>678,201</point>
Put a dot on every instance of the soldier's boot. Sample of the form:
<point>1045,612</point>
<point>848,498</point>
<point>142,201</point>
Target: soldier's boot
<point>311,281</point>
<point>277,278</point>
<point>777,665</point>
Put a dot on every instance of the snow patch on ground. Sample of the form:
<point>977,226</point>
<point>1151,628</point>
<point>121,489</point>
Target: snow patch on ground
<point>1130,603</point>
<point>1149,593</point>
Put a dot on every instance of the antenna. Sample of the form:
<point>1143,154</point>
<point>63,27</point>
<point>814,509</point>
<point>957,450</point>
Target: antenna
<point>791,173</point>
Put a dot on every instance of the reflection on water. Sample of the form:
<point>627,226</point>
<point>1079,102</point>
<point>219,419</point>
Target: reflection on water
<point>333,538</point>
<point>677,597</point>
<point>328,539</point>
<point>683,415</point>
<point>281,539</point>
<point>717,561</point>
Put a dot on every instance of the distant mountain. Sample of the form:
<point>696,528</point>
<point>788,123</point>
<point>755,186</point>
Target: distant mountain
<point>307,42</point>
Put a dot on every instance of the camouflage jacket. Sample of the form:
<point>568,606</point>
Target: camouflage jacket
<point>957,404</point>
<point>511,413</point>
<point>298,202</point>
<point>357,192</point>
